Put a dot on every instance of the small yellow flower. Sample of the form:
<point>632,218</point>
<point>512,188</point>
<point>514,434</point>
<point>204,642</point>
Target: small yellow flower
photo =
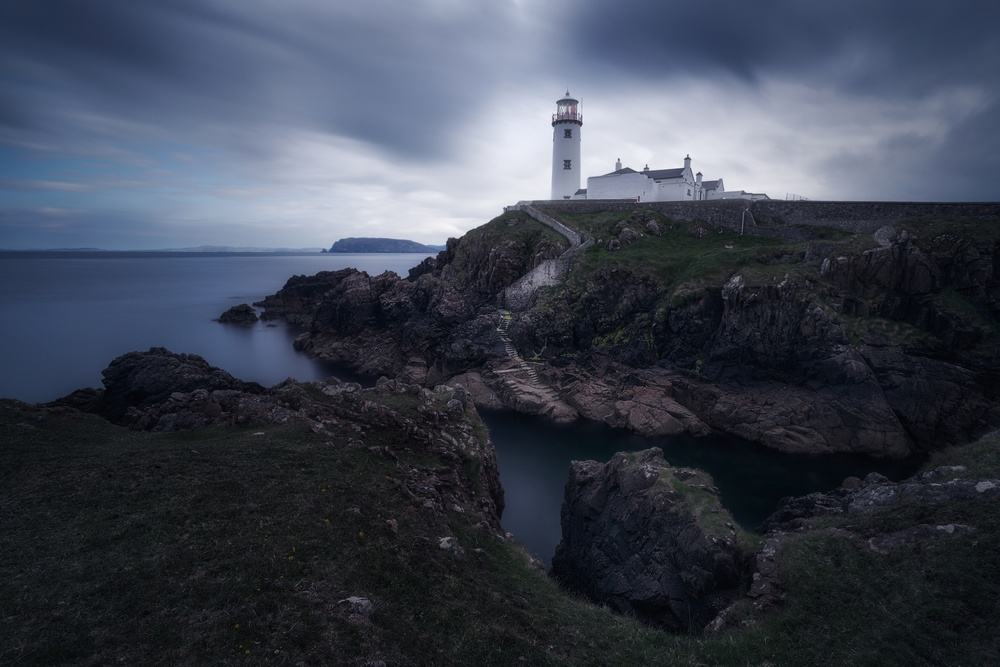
<point>291,558</point>
<point>361,534</point>
<point>238,625</point>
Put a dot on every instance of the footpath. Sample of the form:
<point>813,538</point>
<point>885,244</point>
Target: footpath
<point>523,381</point>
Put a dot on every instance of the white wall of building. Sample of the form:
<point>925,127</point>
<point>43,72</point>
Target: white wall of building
<point>674,190</point>
<point>565,182</point>
<point>619,186</point>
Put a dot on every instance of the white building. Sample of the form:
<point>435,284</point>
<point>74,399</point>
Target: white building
<point>659,185</point>
<point>567,124</point>
<point>623,183</point>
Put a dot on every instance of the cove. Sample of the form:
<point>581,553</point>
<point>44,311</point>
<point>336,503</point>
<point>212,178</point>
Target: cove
<point>534,454</point>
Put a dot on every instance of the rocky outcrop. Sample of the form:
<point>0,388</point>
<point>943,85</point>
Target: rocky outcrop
<point>801,517</point>
<point>941,485</point>
<point>882,345</point>
<point>158,390</point>
<point>243,314</point>
<point>648,539</point>
<point>139,382</point>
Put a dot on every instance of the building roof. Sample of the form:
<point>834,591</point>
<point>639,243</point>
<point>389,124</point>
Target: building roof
<point>710,185</point>
<point>619,172</point>
<point>581,191</point>
<point>661,174</point>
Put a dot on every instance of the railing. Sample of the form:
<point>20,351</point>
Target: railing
<point>567,116</point>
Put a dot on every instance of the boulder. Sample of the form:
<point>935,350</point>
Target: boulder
<point>140,380</point>
<point>648,540</point>
<point>241,314</point>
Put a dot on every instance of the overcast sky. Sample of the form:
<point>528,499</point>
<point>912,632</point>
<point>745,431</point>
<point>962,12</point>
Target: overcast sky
<point>294,123</point>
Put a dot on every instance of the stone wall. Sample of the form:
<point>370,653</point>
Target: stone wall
<point>774,217</point>
<point>517,297</point>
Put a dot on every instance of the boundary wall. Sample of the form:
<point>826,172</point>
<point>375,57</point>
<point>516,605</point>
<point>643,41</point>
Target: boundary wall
<point>775,217</point>
<point>517,297</point>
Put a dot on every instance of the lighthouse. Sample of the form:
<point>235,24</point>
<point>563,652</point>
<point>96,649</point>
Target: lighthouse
<point>567,122</point>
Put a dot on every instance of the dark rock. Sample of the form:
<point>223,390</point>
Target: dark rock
<point>241,314</point>
<point>140,380</point>
<point>875,492</point>
<point>646,541</point>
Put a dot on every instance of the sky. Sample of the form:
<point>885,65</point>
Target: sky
<point>294,123</point>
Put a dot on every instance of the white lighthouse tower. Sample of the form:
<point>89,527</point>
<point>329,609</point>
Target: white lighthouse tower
<point>566,125</point>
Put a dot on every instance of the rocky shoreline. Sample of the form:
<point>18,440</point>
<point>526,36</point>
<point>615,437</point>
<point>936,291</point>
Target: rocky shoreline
<point>881,344</point>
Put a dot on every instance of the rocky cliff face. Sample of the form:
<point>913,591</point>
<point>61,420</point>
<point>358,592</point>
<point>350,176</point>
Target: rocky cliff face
<point>648,540</point>
<point>881,344</point>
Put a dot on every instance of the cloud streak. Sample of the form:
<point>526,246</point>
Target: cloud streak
<point>297,124</point>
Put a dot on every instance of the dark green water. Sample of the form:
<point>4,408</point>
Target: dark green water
<point>534,456</point>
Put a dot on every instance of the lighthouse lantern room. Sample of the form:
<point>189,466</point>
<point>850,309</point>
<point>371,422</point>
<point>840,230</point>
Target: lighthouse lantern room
<point>567,122</point>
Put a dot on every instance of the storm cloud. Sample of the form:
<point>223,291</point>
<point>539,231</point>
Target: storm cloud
<point>159,124</point>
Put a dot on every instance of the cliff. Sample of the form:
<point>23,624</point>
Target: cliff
<point>882,343</point>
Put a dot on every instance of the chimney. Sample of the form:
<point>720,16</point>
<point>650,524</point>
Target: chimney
<point>618,165</point>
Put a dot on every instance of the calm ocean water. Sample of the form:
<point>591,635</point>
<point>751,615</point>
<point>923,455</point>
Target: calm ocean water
<point>67,315</point>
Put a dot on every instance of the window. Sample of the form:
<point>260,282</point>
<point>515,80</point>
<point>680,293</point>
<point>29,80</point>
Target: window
<point>689,192</point>
<point>567,134</point>
<point>567,164</point>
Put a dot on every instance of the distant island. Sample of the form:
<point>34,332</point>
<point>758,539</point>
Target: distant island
<point>355,245</point>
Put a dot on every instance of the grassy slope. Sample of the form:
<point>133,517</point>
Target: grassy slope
<point>685,266</point>
<point>527,233</point>
<point>233,546</point>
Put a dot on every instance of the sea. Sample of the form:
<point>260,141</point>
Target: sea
<point>66,315</point>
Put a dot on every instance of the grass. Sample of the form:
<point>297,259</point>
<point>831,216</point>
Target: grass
<point>512,227</point>
<point>233,546</point>
<point>691,260</point>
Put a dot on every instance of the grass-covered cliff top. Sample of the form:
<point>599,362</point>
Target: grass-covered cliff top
<point>687,259</point>
<point>234,546</point>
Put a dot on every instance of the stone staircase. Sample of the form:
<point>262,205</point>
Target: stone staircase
<point>524,369</point>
